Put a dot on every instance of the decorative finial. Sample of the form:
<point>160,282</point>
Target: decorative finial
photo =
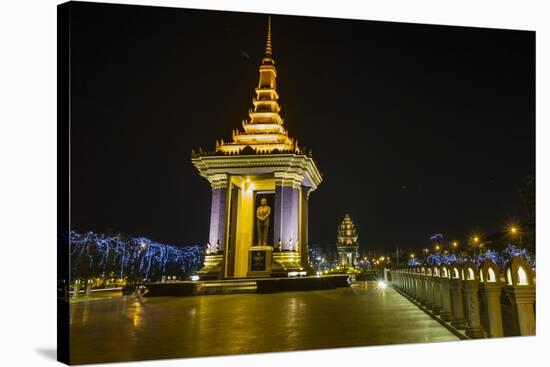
<point>268,49</point>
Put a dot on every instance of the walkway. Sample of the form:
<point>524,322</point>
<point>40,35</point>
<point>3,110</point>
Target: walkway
<point>128,328</point>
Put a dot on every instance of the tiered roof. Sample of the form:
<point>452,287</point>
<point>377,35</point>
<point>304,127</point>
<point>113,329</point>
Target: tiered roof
<point>347,234</point>
<point>263,131</point>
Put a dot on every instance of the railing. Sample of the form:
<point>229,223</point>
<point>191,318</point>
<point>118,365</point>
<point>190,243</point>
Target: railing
<point>479,300</point>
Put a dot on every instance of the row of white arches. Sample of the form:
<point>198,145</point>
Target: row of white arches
<point>517,272</point>
<point>468,296</point>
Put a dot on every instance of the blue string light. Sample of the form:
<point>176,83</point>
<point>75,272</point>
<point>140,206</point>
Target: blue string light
<point>102,255</point>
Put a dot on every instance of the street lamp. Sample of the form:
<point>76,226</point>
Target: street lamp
<point>514,231</point>
<point>412,256</point>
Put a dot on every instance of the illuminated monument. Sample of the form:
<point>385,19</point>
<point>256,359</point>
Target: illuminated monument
<point>347,243</point>
<point>260,182</point>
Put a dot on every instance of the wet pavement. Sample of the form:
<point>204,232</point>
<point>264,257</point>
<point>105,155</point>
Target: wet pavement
<point>130,328</point>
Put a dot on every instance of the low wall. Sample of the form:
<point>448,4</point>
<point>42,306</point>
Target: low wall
<point>273,285</point>
<point>483,301</point>
<point>263,285</point>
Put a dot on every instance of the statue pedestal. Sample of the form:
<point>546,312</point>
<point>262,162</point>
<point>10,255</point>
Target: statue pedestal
<point>259,261</point>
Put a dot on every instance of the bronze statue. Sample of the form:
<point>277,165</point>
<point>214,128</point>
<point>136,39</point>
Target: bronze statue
<point>262,221</point>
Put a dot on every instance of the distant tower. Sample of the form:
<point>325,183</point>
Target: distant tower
<point>347,243</point>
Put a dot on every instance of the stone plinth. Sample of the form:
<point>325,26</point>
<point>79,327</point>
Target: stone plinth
<point>259,261</point>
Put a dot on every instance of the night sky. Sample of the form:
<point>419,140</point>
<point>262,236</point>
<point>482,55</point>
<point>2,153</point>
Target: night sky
<point>417,129</point>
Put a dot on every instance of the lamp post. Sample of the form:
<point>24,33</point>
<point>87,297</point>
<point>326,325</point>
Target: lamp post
<point>514,231</point>
<point>475,243</point>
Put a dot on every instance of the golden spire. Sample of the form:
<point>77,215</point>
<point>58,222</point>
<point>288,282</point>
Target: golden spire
<point>263,131</point>
<point>268,58</point>
<point>268,44</point>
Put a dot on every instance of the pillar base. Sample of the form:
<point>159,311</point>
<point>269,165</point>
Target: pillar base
<point>459,324</point>
<point>475,333</point>
<point>445,315</point>
<point>212,268</point>
<point>436,310</point>
<point>286,261</point>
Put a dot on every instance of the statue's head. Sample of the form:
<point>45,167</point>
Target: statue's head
<point>263,202</point>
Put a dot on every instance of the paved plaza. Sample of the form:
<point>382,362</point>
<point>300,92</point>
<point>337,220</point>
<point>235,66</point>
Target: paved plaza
<point>127,328</point>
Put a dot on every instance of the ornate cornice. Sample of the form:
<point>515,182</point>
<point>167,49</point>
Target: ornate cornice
<point>286,166</point>
<point>218,181</point>
<point>289,179</point>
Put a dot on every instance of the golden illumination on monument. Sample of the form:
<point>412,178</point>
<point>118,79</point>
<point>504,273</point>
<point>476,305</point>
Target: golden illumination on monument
<point>263,131</point>
<point>261,167</point>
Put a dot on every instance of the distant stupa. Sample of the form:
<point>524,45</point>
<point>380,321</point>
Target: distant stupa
<point>347,242</point>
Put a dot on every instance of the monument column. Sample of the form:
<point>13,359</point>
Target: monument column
<point>287,207</point>
<point>304,244</point>
<point>278,218</point>
<point>218,213</point>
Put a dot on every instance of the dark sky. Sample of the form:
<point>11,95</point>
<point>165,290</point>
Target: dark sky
<point>417,129</point>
